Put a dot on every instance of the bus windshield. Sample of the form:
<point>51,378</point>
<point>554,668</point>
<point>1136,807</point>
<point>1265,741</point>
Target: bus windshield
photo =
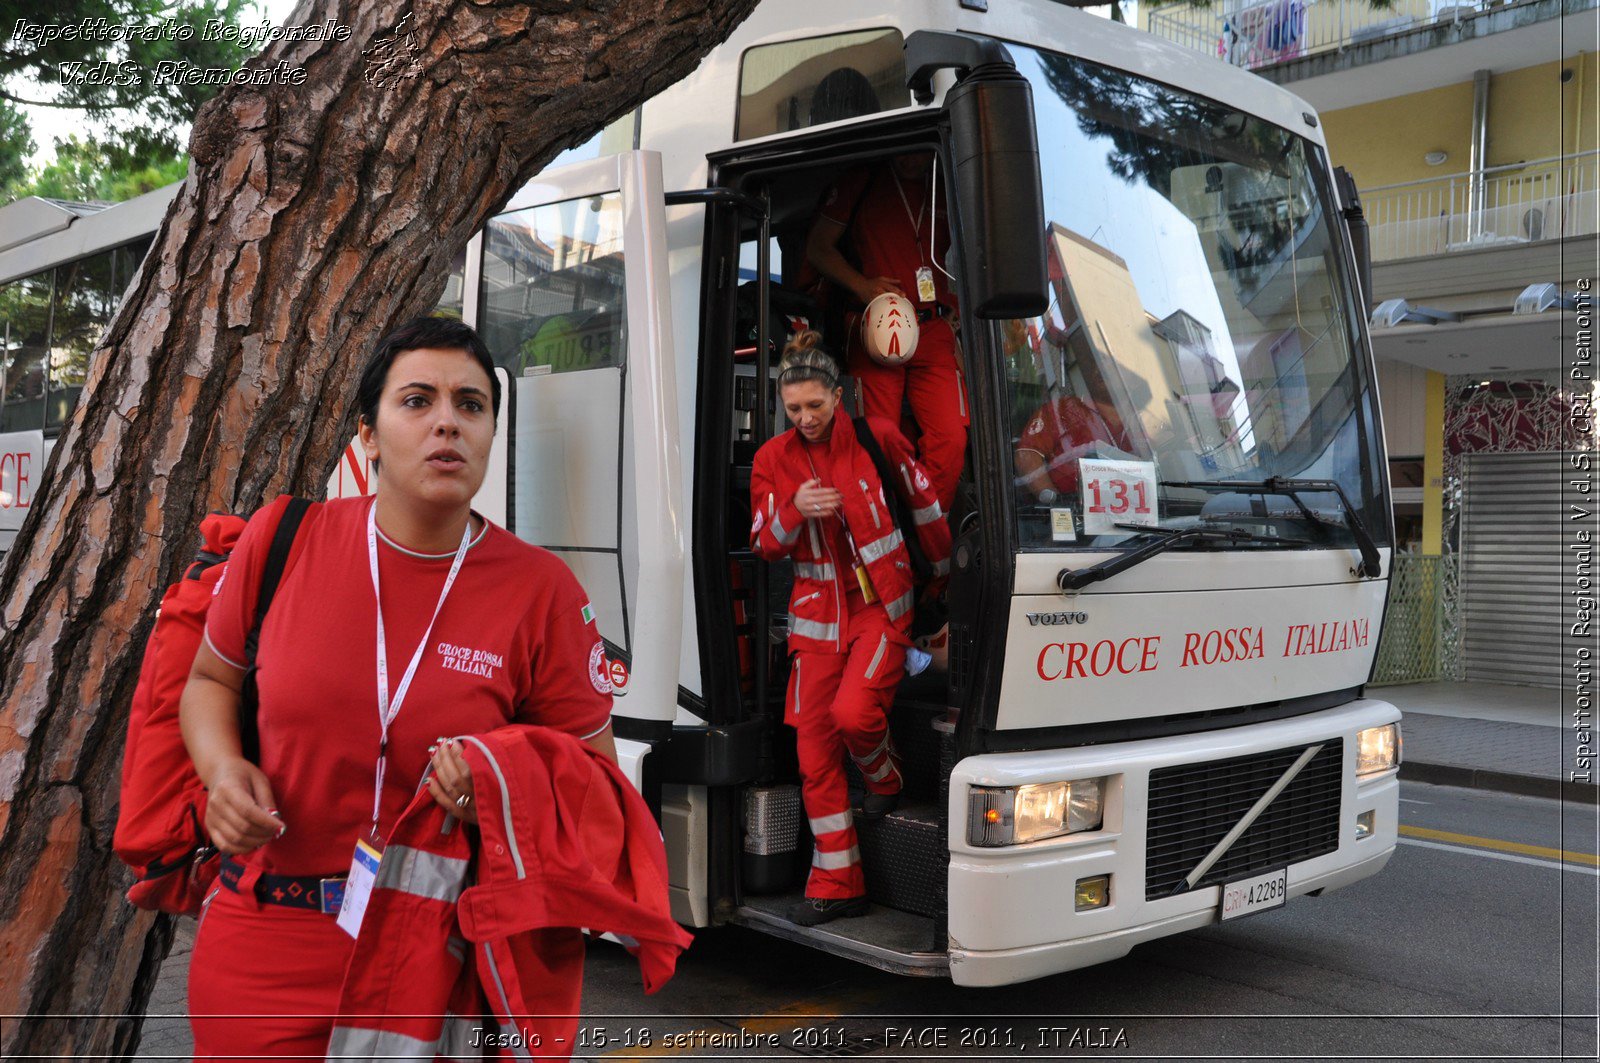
<point>1200,327</point>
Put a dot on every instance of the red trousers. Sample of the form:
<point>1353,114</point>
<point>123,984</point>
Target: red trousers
<point>838,704</point>
<point>932,381</point>
<point>264,980</point>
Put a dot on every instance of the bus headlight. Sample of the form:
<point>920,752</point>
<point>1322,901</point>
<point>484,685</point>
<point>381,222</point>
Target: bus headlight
<point>1377,749</point>
<point>1011,815</point>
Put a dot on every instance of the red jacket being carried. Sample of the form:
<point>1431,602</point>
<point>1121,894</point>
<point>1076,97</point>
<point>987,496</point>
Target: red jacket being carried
<point>823,559</point>
<point>563,842</point>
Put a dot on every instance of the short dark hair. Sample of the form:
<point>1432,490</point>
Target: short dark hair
<point>440,333</point>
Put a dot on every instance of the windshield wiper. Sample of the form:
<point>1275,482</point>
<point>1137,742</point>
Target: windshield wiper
<point>1072,579</point>
<point>1371,564</point>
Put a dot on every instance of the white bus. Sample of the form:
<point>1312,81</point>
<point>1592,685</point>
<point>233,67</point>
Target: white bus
<point>1152,716</point>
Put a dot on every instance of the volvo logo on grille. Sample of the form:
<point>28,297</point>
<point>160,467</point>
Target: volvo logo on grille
<point>1051,619</point>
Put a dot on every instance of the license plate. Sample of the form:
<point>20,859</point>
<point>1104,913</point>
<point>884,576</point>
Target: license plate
<point>1259,894</point>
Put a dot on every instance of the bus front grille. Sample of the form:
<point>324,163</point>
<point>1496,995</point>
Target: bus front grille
<point>1194,806</point>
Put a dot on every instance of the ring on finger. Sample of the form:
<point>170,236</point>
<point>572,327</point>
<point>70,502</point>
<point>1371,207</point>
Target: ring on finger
<point>463,801</point>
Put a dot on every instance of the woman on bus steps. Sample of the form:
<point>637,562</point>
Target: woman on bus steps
<point>816,496</point>
<point>381,598</point>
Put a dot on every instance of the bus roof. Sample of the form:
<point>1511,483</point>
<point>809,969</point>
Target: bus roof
<point>36,234</point>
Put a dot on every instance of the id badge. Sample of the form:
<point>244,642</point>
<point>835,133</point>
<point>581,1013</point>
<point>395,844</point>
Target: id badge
<point>925,290</point>
<point>867,593</point>
<point>358,887</point>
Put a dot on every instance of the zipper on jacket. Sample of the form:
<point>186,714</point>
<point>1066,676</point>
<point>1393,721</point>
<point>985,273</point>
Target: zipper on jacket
<point>872,505</point>
<point>807,598</point>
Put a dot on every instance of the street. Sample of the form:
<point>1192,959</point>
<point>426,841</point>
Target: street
<point>1471,943</point>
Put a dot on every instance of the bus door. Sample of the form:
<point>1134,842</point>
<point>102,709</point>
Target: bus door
<point>574,305</point>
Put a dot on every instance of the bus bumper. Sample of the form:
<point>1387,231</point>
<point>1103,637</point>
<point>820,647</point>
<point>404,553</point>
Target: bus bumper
<point>1011,909</point>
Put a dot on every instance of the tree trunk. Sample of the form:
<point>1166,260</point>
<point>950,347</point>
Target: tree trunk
<point>314,218</point>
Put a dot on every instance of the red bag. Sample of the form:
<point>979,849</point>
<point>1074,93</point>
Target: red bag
<point>163,806</point>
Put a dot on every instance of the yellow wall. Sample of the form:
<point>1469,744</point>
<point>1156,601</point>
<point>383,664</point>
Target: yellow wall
<point>1525,112</point>
<point>1383,143</point>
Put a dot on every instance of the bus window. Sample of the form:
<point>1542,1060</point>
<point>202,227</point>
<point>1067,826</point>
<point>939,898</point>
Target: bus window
<point>809,82</point>
<point>25,331</point>
<point>85,296</point>
<point>452,300</point>
<point>553,303</point>
<point>552,289</point>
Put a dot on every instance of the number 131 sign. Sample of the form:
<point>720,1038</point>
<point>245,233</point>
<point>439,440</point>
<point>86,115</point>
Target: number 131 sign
<point>1116,492</point>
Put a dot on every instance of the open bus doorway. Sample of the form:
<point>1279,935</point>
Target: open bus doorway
<point>903,854</point>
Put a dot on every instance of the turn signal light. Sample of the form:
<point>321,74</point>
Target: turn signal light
<point>1011,815</point>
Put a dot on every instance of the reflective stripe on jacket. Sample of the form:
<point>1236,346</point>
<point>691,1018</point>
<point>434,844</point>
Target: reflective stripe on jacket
<point>822,559</point>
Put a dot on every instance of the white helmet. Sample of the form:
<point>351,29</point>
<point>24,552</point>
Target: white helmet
<point>889,329</point>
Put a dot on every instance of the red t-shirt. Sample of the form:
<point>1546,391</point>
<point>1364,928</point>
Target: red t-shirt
<point>885,241</point>
<point>512,644</point>
<point>1056,426</point>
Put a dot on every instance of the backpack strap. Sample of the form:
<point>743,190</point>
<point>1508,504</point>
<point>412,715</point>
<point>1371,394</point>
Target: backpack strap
<point>271,575</point>
<point>899,513</point>
<point>272,571</point>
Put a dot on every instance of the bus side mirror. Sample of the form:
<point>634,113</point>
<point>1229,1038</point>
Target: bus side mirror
<point>998,192</point>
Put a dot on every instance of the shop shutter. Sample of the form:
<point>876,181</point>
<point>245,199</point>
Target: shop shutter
<point>1512,515</point>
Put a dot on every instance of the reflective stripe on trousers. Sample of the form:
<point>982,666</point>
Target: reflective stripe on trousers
<point>829,824</point>
<point>836,861</point>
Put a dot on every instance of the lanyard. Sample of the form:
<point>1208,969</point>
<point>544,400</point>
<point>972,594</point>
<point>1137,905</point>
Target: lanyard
<point>915,219</point>
<point>855,554</point>
<point>387,709</point>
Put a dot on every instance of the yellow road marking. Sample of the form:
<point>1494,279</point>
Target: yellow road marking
<point>1566,856</point>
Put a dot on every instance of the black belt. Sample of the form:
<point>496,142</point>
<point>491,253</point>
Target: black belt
<point>929,313</point>
<point>310,892</point>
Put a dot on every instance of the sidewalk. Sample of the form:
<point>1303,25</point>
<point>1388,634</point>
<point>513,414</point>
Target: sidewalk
<point>1488,736</point>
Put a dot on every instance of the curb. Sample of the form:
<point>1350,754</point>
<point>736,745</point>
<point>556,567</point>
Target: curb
<point>1501,781</point>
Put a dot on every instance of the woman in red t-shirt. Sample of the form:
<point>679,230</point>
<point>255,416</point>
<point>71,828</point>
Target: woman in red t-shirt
<point>400,619</point>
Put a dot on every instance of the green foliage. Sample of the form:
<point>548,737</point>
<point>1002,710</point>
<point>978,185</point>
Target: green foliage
<point>16,144</point>
<point>89,169</point>
<point>146,123</point>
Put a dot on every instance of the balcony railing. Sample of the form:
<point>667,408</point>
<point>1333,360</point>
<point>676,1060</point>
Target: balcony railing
<point>1546,199</point>
<point>1259,33</point>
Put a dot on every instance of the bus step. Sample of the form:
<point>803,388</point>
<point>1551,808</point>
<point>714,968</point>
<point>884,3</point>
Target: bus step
<point>906,859</point>
<point>890,940</point>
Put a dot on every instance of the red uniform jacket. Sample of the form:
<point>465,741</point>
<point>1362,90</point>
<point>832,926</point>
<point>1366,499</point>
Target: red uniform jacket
<point>823,560</point>
<point>563,842</point>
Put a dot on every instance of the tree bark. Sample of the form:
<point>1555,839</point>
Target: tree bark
<point>314,218</point>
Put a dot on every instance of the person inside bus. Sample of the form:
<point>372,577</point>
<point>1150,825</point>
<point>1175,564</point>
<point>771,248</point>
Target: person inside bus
<point>1059,433</point>
<point>816,497</point>
<point>415,572</point>
<point>881,230</point>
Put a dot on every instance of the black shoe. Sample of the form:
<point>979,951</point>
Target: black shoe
<point>876,806</point>
<point>814,911</point>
